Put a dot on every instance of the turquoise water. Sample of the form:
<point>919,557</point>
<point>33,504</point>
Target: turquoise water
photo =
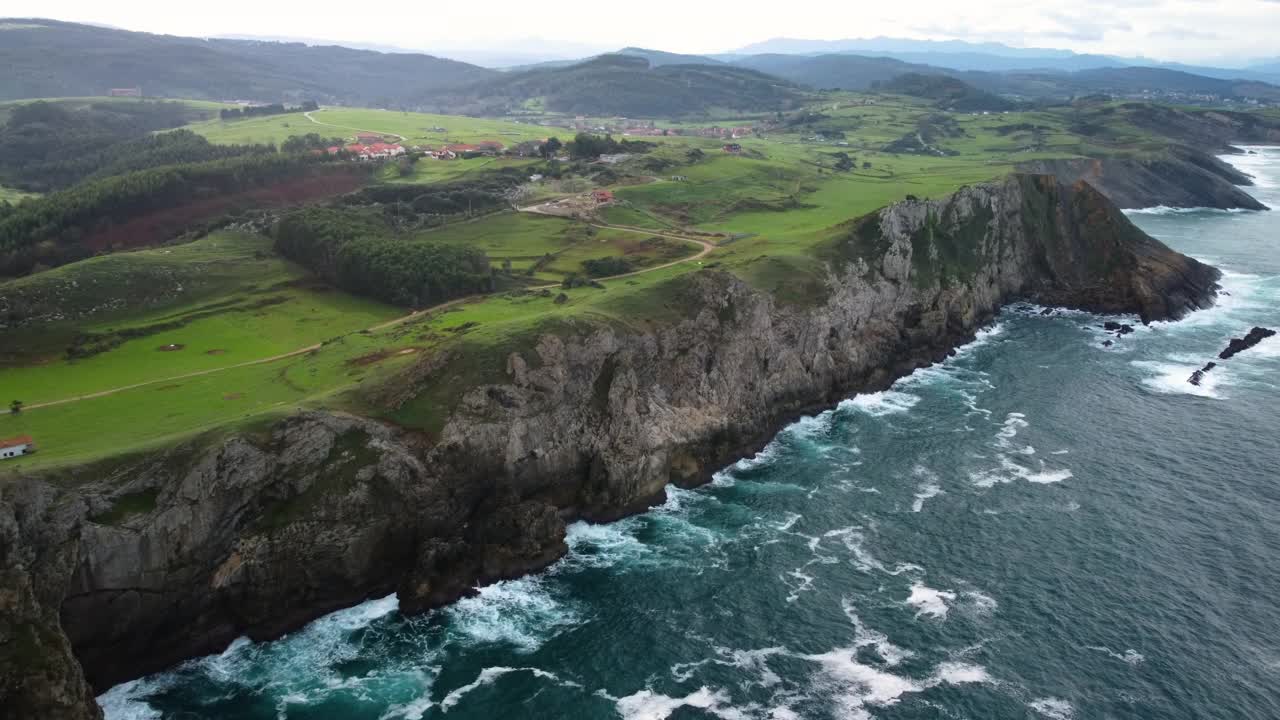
<point>1039,528</point>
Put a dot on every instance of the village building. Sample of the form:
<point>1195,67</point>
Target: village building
<point>602,196</point>
<point>16,447</point>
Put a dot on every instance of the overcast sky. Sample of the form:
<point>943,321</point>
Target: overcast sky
<point>1182,30</point>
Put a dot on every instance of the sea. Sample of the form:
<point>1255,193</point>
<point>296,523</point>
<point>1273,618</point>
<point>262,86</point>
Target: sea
<point>1040,527</point>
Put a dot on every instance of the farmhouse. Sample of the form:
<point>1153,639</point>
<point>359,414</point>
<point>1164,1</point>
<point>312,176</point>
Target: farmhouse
<point>16,446</point>
<point>602,196</point>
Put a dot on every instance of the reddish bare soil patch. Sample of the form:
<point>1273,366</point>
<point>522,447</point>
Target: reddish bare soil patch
<point>369,358</point>
<point>156,227</point>
<point>171,347</point>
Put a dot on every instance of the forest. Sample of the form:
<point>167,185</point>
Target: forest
<point>47,146</point>
<point>358,251</point>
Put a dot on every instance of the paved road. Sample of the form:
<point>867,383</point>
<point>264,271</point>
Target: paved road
<point>706,248</point>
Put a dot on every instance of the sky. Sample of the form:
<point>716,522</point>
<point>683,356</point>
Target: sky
<point>1228,32</point>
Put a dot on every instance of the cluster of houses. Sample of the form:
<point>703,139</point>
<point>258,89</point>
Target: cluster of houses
<point>374,147</point>
<point>715,131</point>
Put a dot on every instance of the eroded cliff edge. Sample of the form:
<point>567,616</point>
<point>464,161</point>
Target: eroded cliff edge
<point>1177,177</point>
<point>148,561</point>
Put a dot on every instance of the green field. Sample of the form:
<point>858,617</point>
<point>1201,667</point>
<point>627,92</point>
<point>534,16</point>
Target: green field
<point>212,305</point>
<point>415,128</point>
<point>13,195</point>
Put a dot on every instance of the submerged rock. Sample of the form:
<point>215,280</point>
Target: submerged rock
<point>1198,376</point>
<point>1238,345</point>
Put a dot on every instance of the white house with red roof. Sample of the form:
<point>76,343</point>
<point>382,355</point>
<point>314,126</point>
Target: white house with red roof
<point>16,446</point>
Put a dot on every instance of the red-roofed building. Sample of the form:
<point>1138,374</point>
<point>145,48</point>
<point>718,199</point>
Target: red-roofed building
<point>16,446</point>
<point>602,196</point>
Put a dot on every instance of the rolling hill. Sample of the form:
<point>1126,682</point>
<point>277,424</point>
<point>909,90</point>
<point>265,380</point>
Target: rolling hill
<point>46,58</point>
<point>623,84</point>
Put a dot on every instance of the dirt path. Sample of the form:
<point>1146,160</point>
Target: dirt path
<point>707,247</point>
<point>308,116</point>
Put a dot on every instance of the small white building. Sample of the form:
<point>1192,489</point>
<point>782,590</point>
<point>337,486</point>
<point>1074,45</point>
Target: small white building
<point>16,447</point>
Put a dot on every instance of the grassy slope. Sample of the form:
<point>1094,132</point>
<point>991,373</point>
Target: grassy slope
<point>416,127</point>
<point>776,201</point>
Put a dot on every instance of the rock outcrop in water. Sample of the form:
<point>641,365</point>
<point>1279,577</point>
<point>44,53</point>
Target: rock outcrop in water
<point>1179,177</point>
<point>138,564</point>
<point>1239,345</point>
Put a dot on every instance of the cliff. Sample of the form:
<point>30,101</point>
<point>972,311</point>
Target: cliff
<point>1177,177</point>
<point>144,562</point>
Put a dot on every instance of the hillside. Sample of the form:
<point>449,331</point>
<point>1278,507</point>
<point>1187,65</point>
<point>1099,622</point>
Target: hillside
<point>947,92</point>
<point>846,72</point>
<point>46,58</point>
<point>623,85</point>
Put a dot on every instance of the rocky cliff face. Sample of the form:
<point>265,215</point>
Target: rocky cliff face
<point>149,562</point>
<point>1178,177</point>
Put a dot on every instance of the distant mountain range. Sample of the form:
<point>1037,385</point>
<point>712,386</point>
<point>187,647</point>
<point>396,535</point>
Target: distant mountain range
<point>991,57</point>
<point>45,58</point>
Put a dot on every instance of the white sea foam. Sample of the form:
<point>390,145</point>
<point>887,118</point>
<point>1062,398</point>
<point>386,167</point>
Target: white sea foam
<point>930,602</point>
<point>928,487</point>
<point>521,613</point>
<point>880,404</point>
<point>127,701</point>
<point>490,675</point>
<point>1169,378</point>
<point>649,705</point>
<point>1167,210</point>
<point>1053,708</point>
<point>855,685</point>
<point>1009,471</point>
<point>1129,656</point>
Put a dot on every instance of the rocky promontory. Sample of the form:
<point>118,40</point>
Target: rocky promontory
<point>1178,177</point>
<point>121,569</point>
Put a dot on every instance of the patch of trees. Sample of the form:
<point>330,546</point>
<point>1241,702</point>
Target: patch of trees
<point>308,142</point>
<point>586,146</point>
<point>482,193</point>
<point>358,251</point>
<point>252,111</point>
<point>55,229</point>
<point>608,266</point>
<point>47,146</point>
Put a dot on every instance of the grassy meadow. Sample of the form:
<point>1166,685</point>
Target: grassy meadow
<point>220,305</point>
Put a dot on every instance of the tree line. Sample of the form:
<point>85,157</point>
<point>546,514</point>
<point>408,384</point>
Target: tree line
<point>358,251</point>
<point>251,111</point>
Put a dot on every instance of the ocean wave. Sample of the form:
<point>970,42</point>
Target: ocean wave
<point>490,675</point>
<point>1053,708</point>
<point>521,613</point>
<point>1171,378</point>
<point>880,404</point>
<point>1168,210</point>
<point>930,602</point>
<point>1129,656</point>
<point>649,705</point>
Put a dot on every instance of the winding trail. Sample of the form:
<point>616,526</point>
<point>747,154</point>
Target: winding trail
<point>308,116</point>
<point>706,247</point>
